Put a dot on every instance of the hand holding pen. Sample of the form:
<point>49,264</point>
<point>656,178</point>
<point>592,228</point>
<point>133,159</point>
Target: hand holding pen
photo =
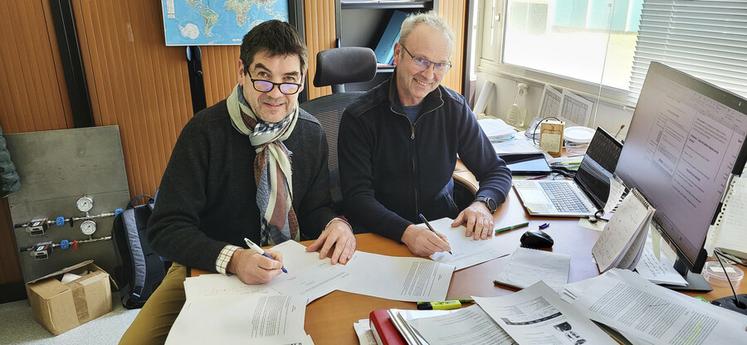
<point>425,221</point>
<point>253,246</point>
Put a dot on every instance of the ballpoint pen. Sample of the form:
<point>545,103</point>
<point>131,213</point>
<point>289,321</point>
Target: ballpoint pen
<point>253,246</point>
<point>425,221</point>
<point>511,227</point>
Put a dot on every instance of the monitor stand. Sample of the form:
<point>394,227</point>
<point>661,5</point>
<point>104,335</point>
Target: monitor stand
<point>695,282</point>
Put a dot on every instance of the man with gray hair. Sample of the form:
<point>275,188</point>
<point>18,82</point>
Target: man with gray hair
<point>399,142</point>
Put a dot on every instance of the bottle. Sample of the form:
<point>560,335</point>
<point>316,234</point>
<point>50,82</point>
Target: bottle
<point>517,113</point>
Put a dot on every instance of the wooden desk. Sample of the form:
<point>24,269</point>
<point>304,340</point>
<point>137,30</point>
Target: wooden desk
<point>329,320</point>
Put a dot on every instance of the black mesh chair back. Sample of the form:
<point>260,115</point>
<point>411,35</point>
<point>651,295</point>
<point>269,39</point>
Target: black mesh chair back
<point>335,67</point>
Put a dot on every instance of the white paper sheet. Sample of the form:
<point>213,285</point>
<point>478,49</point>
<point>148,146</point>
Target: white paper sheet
<point>218,285</point>
<point>575,109</point>
<point>466,251</point>
<point>466,326</point>
<point>550,104</point>
<point>259,319</point>
<point>398,278</point>
<point>526,266</point>
<point>307,276</point>
<point>617,191</point>
<point>637,308</point>
<point>658,270</point>
<point>537,315</point>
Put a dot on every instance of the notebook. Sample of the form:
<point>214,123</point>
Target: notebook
<point>582,196</point>
<point>728,230</point>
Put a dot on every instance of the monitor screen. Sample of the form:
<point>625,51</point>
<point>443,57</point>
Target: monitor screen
<point>596,169</point>
<point>684,140</point>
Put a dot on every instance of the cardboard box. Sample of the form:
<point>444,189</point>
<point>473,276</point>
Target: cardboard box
<point>60,306</point>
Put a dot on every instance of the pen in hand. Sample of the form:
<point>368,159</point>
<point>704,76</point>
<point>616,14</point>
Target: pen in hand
<point>425,221</point>
<point>253,246</point>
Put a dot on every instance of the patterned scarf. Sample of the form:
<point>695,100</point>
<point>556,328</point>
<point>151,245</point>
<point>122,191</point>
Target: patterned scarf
<point>272,168</point>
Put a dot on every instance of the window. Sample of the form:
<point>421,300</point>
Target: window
<point>590,44</point>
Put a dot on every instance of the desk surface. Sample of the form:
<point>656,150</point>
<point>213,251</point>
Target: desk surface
<point>329,320</point>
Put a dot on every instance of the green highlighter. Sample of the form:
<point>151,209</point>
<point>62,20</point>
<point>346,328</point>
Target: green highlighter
<point>443,305</point>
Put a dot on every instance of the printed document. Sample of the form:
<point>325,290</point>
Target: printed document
<point>466,326</point>
<point>537,315</point>
<point>398,278</point>
<point>639,309</point>
<point>526,266</point>
<point>466,251</point>
<point>307,276</point>
<point>257,319</point>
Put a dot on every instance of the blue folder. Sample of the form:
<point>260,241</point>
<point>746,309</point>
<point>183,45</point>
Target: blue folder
<point>385,48</point>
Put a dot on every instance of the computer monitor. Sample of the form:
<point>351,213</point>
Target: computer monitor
<point>686,140</point>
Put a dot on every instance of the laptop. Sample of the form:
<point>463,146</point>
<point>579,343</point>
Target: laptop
<point>582,196</point>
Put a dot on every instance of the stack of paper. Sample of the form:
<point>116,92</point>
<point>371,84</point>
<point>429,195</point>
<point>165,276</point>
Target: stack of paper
<point>258,319</point>
<point>649,314</point>
<point>537,315</point>
<point>467,326</point>
<point>496,129</point>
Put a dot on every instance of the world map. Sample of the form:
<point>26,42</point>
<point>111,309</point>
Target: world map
<point>216,22</point>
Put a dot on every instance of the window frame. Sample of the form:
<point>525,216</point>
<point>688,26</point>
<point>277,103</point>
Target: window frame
<point>495,66</point>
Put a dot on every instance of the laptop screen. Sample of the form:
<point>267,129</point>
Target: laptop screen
<point>598,167</point>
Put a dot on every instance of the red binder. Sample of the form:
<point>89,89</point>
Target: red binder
<point>383,329</point>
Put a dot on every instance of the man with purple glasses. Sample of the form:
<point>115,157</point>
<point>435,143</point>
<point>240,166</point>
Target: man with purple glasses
<point>252,166</point>
<point>398,145</point>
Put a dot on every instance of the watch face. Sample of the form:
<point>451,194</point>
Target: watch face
<point>88,227</point>
<point>84,204</point>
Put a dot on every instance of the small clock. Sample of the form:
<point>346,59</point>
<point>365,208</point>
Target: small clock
<point>84,204</point>
<point>88,227</point>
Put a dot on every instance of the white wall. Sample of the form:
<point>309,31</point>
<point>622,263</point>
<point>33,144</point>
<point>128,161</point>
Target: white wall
<point>608,116</point>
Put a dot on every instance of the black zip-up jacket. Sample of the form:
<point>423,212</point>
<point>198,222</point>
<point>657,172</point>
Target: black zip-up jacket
<point>391,170</point>
<point>207,197</point>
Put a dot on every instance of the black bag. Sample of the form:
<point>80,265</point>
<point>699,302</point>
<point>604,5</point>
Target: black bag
<point>140,269</point>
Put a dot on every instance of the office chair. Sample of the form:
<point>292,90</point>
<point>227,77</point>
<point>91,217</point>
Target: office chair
<point>335,67</point>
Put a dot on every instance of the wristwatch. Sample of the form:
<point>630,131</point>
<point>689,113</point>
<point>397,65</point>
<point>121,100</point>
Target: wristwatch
<point>489,202</point>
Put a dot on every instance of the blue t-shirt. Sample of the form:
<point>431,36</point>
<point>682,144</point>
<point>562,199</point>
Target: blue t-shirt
<point>412,112</point>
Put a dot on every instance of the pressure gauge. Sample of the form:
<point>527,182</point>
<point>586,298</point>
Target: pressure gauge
<point>88,227</point>
<point>85,203</point>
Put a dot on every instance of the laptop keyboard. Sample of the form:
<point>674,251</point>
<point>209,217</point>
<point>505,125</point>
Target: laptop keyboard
<point>563,197</point>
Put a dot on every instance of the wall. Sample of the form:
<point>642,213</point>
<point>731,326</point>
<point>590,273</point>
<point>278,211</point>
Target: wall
<point>455,14</point>
<point>34,97</point>
<point>608,116</point>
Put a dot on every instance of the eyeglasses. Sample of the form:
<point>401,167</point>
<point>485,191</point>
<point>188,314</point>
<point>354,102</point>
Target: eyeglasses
<point>266,86</point>
<point>425,64</point>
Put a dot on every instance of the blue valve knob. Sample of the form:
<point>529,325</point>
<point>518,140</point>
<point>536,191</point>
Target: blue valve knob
<point>118,211</point>
<point>64,244</point>
<point>59,221</point>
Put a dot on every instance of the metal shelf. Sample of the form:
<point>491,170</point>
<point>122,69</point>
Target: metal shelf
<point>382,4</point>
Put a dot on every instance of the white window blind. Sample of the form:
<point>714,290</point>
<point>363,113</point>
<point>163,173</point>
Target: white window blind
<point>707,39</point>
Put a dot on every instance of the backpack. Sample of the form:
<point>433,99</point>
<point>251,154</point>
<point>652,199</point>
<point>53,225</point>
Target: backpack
<point>140,270</point>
